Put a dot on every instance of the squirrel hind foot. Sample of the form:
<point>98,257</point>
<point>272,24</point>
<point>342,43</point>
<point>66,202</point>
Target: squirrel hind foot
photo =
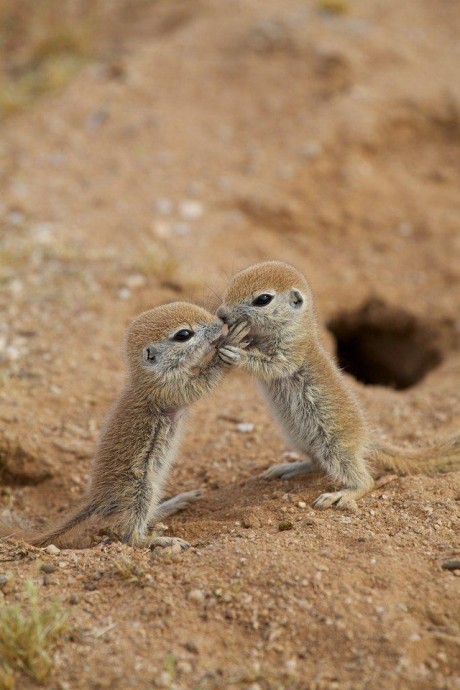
<point>341,500</point>
<point>177,545</point>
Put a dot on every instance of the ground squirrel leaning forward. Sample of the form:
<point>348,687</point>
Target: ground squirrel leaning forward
<point>308,393</point>
<point>172,354</point>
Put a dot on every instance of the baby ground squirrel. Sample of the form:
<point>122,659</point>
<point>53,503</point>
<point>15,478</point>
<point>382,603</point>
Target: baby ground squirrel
<point>172,354</point>
<point>308,393</point>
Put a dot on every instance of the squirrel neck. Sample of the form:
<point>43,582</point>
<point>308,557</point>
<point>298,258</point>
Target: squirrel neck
<point>148,399</point>
<point>303,343</point>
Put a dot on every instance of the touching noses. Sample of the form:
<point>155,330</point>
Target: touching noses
<point>222,314</point>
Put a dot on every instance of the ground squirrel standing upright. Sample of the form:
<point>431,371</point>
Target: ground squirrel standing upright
<point>307,392</point>
<point>172,353</point>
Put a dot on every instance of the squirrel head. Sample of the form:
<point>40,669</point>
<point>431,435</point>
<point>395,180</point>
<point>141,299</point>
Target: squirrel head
<point>165,344</point>
<point>272,296</point>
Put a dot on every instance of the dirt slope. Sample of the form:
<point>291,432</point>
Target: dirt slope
<point>228,133</point>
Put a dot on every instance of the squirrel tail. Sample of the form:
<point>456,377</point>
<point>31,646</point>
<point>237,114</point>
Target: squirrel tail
<point>54,535</point>
<point>442,457</point>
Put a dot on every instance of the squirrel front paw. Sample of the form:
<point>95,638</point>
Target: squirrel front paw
<point>237,333</point>
<point>229,354</point>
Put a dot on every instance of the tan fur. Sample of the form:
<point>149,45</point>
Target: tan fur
<point>269,274</point>
<point>311,398</point>
<point>141,434</point>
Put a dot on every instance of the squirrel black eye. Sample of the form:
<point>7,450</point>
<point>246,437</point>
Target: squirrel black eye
<point>262,300</point>
<point>183,335</point>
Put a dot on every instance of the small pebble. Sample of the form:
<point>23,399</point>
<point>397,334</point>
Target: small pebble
<point>52,550</point>
<point>250,521</point>
<point>184,667</point>
<point>136,280</point>
<point>3,580</point>
<point>90,586</point>
<point>164,680</point>
<point>285,525</point>
<point>161,229</point>
<point>291,455</point>
<point>196,595</point>
<point>451,565</point>
<point>191,646</point>
<point>290,665</point>
<point>245,427</point>
<point>190,209</point>
<point>48,568</point>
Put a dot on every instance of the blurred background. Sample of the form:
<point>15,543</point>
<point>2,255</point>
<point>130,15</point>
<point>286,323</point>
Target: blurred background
<point>150,148</point>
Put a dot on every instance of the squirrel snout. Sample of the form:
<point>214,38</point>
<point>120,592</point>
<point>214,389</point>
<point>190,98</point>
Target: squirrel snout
<point>221,337</point>
<point>222,314</point>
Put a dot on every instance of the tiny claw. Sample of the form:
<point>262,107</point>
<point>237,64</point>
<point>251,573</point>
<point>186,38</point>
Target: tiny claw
<point>238,331</point>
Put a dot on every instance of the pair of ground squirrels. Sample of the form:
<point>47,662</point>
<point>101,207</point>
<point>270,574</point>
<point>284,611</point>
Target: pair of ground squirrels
<point>178,352</point>
<point>305,389</point>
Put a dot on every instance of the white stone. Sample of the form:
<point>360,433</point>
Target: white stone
<point>135,281</point>
<point>291,455</point>
<point>190,209</point>
<point>196,595</point>
<point>245,427</point>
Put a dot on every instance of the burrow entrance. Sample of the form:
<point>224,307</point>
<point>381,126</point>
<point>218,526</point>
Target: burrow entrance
<point>384,345</point>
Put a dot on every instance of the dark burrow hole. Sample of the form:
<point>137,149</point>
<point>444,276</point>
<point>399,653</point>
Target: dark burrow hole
<point>384,345</point>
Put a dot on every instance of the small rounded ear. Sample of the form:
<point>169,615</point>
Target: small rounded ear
<point>149,354</point>
<point>296,299</point>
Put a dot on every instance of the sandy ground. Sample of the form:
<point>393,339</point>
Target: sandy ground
<point>231,132</point>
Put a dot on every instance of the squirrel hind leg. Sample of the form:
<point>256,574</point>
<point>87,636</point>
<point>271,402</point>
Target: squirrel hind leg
<point>289,470</point>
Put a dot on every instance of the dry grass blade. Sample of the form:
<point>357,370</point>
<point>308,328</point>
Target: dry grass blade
<point>28,633</point>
